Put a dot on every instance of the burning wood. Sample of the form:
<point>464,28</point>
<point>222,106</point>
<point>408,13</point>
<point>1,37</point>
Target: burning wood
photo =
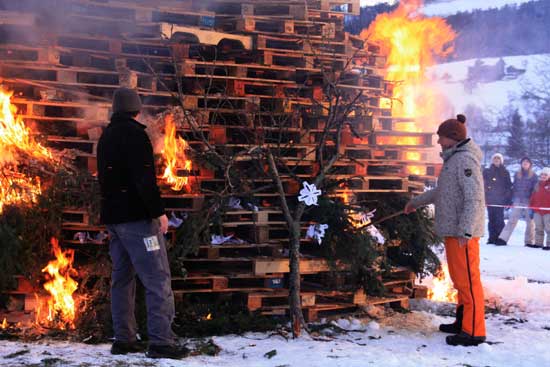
<point>61,304</point>
<point>411,42</point>
<point>442,289</point>
<point>16,142</point>
<point>399,140</point>
<point>174,156</point>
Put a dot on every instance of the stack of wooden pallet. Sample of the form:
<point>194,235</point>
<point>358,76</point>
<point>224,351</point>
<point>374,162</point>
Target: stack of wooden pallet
<point>65,60</point>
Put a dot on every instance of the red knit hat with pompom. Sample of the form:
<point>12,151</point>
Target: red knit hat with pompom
<point>453,128</point>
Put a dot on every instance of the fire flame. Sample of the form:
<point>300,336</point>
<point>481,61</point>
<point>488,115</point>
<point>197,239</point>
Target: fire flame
<point>4,324</point>
<point>16,141</point>
<point>61,304</point>
<point>356,218</point>
<point>17,188</point>
<point>442,288</point>
<point>174,154</point>
<point>399,140</point>
<point>411,42</point>
<point>416,170</point>
<point>412,156</point>
<point>14,135</point>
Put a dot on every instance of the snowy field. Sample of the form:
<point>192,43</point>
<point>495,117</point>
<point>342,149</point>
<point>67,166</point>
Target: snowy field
<point>517,283</point>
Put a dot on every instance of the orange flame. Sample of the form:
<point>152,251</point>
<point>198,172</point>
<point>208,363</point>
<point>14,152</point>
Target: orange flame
<point>61,304</point>
<point>14,135</point>
<point>356,219</point>
<point>412,156</point>
<point>346,195</point>
<point>416,170</point>
<point>174,154</point>
<point>4,324</point>
<point>399,140</point>
<point>442,288</point>
<point>16,140</point>
<point>411,42</point>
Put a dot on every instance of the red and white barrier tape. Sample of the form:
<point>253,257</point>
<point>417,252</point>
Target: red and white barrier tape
<point>518,207</point>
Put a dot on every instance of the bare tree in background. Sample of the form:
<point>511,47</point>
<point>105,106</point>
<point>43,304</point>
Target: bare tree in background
<point>339,109</point>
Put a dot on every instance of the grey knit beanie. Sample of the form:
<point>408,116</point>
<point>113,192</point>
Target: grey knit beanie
<point>126,100</point>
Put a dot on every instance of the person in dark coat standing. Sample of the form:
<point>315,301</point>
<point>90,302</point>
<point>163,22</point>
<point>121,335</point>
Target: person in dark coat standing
<point>132,209</point>
<point>525,181</point>
<point>498,191</point>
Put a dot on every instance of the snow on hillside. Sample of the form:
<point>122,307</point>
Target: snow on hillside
<point>444,8</point>
<point>449,7</point>
<point>491,95</point>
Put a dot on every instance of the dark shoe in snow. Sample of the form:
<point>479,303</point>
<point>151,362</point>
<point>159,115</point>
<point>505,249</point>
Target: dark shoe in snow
<point>119,347</point>
<point>500,242</point>
<point>167,351</point>
<point>536,246</point>
<point>546,248</point>
<point>465,340</point>
<point>531,245</point>
<point>491,241</point>
<point>456,326</point>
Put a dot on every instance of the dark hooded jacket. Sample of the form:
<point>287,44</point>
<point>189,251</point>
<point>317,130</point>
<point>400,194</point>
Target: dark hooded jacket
<point>498,185</point>
<point>524,185</point>
<point>126,172</point>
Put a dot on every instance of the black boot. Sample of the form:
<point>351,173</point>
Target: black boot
<point>455,327</point>
<point>500,242</point>
<point>119,347</point>
<point>465,340</point>
<point>167,351</point>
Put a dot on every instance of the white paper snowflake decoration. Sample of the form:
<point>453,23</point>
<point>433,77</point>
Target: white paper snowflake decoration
<point>317,232</point>
<point>309,194</point>
<point>375,233</point>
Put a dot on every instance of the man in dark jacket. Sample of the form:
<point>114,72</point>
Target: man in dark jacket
<point>524,184</point>
<point>498,191</point>
<point>132,209</point>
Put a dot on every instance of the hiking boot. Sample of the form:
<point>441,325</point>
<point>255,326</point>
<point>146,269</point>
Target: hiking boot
<point>167,351</point>
<point>465,340</point>
<point>120,347</point>
<point>536,246</point>
<point>456,326</point>
<point>530,245</point>
<point>546,248</point>
<point>500,242</point>
<point>491,241</point>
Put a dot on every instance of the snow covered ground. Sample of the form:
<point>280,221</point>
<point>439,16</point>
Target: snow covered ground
<point>516,280</point>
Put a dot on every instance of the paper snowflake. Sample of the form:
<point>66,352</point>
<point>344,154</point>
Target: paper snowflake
<point>317,232</point>
<point>365,218</point>
<point>309,194</point>
<point>375,233</point>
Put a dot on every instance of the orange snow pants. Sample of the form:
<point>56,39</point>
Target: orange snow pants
<point>464,270</point>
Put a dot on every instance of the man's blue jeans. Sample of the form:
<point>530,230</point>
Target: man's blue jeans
<point>138,248</point>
